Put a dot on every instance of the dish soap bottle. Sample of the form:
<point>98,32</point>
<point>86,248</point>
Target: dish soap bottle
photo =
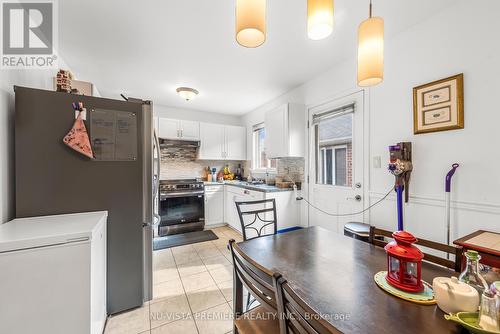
<point>471,273</point>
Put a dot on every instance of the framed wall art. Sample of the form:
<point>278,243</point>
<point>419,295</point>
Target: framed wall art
<point>439,105</point>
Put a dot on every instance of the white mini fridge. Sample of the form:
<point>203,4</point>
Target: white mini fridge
<point>53,274</point>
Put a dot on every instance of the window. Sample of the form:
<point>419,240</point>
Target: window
<point>333,132</point>
<point>334,165</point>
<point>260,160</point>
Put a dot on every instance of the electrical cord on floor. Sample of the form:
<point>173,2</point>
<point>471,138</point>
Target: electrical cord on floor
<point>300,198</point>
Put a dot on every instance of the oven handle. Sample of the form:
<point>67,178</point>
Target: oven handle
<point>183,194</point>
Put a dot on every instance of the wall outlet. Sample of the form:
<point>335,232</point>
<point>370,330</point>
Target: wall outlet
<point>377,162</point>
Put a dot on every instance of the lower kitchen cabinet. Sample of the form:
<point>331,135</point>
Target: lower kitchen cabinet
<point>214,205</point>
<point>287,208</point>
<point>237,194</point>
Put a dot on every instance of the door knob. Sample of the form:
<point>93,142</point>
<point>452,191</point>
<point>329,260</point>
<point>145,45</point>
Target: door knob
<point>357,198</point>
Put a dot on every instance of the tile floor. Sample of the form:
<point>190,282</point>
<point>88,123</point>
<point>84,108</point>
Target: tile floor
<point>192,291</point>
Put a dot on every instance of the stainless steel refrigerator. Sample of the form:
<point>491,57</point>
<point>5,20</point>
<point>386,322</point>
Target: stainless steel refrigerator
<point>51,178</point>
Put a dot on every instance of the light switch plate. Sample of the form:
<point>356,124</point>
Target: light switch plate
<point>377,162</point>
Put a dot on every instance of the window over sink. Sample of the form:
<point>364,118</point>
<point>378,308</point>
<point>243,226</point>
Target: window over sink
<point>259,157</point>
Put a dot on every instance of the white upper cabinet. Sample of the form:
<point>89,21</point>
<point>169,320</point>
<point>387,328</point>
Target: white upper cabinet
<point>211,141</point>
<point>168,128</point>
<point>236,145</point>
<point>177,129</point>
<point>190,130</point>
<point>285,131</point>
<point>222,142</point>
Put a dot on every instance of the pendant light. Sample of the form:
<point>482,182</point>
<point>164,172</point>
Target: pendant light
<point>250,22</point>
<point>371,51</point>
<point>319,19</point>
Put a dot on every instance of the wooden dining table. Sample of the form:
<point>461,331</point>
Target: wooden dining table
<point>334,275</point>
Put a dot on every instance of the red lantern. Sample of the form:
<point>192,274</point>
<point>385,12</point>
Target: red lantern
<point>404,263</point>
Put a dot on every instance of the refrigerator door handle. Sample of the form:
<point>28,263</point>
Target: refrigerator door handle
<point>156,177</point>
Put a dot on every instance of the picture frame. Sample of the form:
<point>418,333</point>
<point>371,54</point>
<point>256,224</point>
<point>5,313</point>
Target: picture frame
<point>439,105</point>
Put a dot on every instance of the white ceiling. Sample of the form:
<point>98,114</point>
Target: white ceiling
<point>148,48</point>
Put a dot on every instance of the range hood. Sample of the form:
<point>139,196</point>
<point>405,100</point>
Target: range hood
<point>179,150</point>
<point>164,143</point>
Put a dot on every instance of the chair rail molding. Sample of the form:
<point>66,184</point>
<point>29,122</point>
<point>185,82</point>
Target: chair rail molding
<point>440,202</point>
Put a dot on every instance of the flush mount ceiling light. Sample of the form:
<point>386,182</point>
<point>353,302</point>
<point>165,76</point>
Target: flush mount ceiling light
<point>371,51</point>
<point>319,19</point>
<point>187,93</point>
<point>250,22</point>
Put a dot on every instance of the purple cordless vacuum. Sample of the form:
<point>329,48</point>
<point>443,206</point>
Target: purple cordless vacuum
<point>400,166</point>
<point>447,189</point>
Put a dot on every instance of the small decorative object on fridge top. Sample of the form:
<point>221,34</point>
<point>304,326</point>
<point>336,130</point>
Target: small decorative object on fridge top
<point>404,263</point>
<point>63,81</point>
<point>471,273</point>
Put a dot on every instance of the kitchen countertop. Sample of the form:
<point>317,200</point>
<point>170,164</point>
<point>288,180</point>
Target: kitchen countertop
<point>243,184</point>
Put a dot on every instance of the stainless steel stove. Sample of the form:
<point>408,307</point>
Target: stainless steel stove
<point>182,206</point>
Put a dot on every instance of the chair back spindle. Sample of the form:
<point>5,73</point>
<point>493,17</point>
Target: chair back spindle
<point>255,279</point>
<point>257,222</point>
<point>294,315</point>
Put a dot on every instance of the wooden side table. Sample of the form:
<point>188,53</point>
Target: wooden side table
<point>486,243</point>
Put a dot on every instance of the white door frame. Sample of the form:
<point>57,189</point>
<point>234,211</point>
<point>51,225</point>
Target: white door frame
<point>366,145</point>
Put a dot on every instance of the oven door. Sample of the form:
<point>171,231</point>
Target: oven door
<point>182,208</point>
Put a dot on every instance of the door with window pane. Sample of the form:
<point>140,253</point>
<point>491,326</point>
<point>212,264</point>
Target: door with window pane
<point>336,161</point>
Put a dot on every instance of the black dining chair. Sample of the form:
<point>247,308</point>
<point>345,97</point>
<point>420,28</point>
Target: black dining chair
<point>378,237</point>
<point>254,218</point>
<point>294,315</point>
<point>261,319</point>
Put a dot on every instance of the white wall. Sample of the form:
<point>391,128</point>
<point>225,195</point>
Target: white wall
<point>462,38</point>
<point>195,115</point>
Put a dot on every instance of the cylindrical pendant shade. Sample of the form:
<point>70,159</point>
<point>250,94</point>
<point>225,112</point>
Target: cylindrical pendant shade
<point>319,18</point>
<point>371,52</point>
<point>250,22</point>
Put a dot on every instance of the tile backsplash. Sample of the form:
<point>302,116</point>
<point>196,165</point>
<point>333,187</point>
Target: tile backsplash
<point>179,162</point>
<point>188,169</point>
<point>293,168</point>
<point>289,168</point>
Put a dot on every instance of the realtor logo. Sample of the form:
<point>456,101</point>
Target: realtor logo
<point>28,34</point>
